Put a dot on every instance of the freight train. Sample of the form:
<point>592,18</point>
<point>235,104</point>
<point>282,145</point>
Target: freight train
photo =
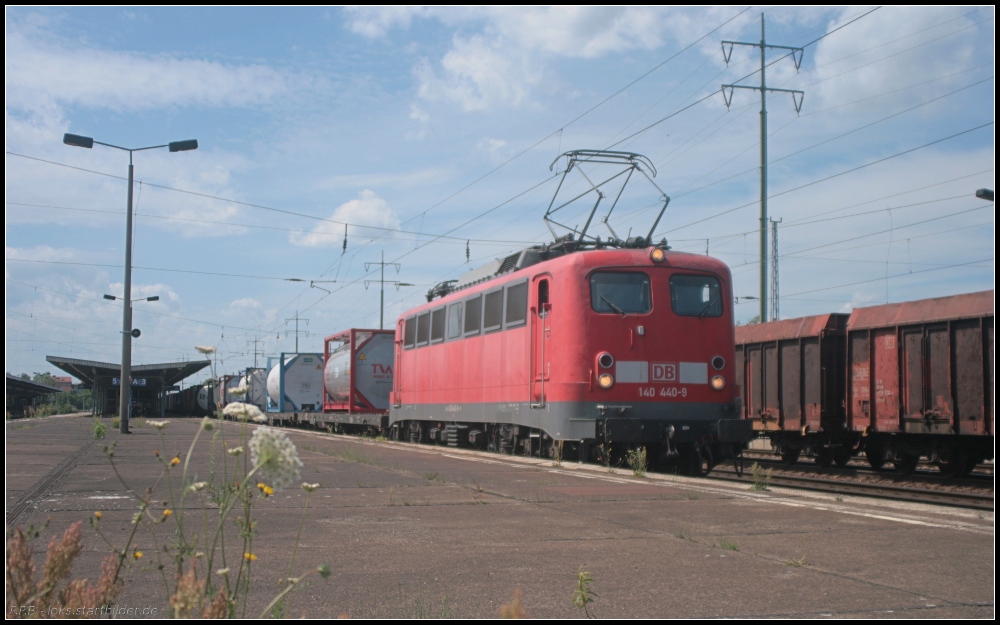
<point>897,382</point>
<point>579,348</point>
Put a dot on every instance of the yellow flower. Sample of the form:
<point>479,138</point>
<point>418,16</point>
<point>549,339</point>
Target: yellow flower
<point>249,557</point>
<point>265,489</point>
<point>167,512</point>
<point>97,515</point>
<point>136,554</point>
<point>176,461</point>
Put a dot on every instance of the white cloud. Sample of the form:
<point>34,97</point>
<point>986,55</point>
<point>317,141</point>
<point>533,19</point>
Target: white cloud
<point>888,67</point>
<point>480,74</point>
<point>415,178</point>
<point>40,72</point>
<point>584,31</point>
<point>495,148</point>
<point>368,210</point>
<point>375,22</point>
<point>245,303</point>
<point>501,65</point>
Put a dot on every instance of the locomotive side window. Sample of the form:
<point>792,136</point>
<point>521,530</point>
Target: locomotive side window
<point>620,293</point>
<point>517,305</point>
<point>455,321</point>
<point>473,314</point>
<point>437,325</point>
<point>492,310</point>
<point>423,328</point>
<point>696,296</point>
<point>410,332</point>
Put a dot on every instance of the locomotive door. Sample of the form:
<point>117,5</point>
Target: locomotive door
<point>397,378</point>
<point>541,325</point>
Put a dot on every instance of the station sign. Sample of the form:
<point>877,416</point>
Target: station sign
<point>135,381</point>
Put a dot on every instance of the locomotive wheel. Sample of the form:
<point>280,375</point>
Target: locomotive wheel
<point>416,432</point>
<point>738,462</point>
<point>701,460</point>
<point>790,456</point>
<point>906,463</point>
<point>842,456</point>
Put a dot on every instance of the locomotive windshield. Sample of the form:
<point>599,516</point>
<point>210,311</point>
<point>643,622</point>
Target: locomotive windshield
<point>620,293</point>
<point>696,296</point>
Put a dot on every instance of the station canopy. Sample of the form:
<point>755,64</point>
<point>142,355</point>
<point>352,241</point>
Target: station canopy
<point>91,372</point>
<point>27,388</point>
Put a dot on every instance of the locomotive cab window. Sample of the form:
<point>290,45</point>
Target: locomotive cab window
<point>620,293</point>
<point>696,296</point>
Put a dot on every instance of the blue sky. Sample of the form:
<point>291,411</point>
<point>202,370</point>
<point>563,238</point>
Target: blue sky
<point>425,128</point>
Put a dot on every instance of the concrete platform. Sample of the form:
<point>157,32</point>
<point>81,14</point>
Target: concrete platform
<point>415,531</point>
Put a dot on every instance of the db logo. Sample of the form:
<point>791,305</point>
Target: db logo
<point>664,372</point>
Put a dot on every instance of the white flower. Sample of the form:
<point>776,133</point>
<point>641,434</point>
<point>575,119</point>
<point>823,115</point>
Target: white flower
<point>309,487</point>
<point>244,412</point>
<point>197,486</point>
<point>224,571</point>
<point>239,391</point>
<point>206,424</point>
<point>275,457</point>
<point>235,451</point>
<point>205,349</point>
<point>159,425</point>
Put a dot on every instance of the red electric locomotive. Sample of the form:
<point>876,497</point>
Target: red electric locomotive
<point>581,347</point>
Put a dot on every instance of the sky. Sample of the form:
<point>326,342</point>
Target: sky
<point>428,134</point>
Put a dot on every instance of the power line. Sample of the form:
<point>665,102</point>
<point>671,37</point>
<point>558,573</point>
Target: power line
<point>901,275</point>
<point>242,225</point>
<point>206,273</point>
<point>145,310</point>
<point>809,184</point>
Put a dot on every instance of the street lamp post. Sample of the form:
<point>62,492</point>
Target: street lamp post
<point>126,375</point>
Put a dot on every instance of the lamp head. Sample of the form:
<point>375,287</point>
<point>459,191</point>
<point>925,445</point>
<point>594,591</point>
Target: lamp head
<point>183,146</point>
<point>78,140</point>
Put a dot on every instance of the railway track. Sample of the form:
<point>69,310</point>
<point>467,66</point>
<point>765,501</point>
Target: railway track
<point>846,482</point>
<point>974,500</point>
<point>925,474</point>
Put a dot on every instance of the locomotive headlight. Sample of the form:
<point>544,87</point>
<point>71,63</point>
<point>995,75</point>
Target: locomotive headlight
<point>718,382</point>
<point>657,255</point>
<point>605,380</point>
<point>605,360</point>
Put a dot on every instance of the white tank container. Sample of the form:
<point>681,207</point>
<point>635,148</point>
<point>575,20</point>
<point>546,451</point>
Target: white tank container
<point>232,382</point>
<point>205,399</point>
<point>256,381</point>
<point>301,377</point>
